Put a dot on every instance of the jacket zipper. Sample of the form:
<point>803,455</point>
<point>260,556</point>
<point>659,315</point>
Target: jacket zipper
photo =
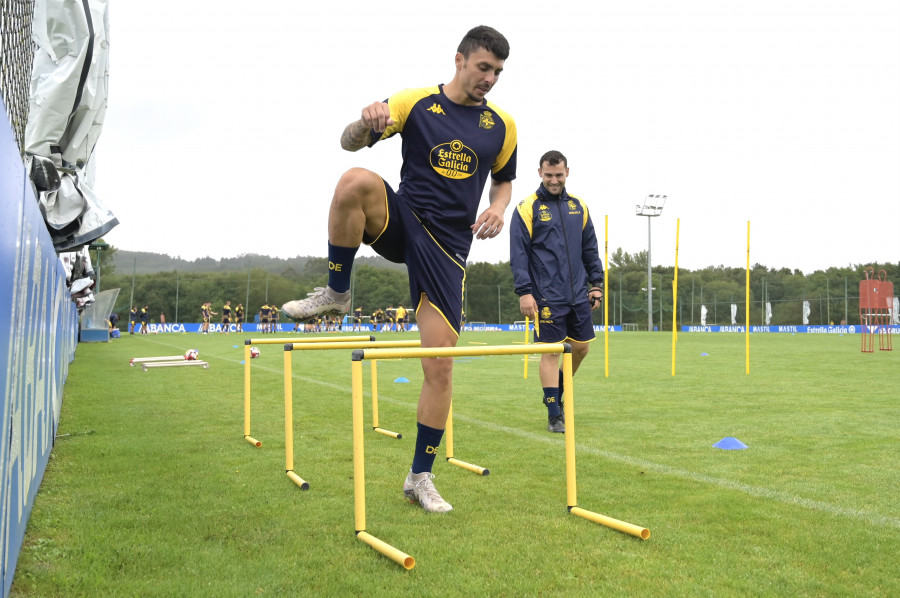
<point>566,247</point>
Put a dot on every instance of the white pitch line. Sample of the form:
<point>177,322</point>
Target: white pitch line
<point>875,519</point>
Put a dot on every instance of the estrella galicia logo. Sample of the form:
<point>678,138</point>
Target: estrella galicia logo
<point>454,160</point>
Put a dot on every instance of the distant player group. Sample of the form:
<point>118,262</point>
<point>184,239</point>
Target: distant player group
<point>229,316</point>
<point>390,319</point>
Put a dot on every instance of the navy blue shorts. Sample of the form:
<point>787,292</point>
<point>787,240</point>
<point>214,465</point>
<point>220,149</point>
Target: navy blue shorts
<point>565,323</point>
<point>405,239</point>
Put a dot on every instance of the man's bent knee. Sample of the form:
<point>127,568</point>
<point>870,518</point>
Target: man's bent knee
<point>357,186</point>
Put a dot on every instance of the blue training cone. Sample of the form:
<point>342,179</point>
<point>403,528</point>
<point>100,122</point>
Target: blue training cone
<point>401,379</point>
<point>730,443</point>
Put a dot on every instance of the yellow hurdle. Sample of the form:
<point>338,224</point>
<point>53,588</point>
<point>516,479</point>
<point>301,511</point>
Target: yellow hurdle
<point>279,341</point>
<point>292,346</point>
<point>358,443</point>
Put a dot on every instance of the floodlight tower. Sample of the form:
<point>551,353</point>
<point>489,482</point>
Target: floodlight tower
<point>653,206</point>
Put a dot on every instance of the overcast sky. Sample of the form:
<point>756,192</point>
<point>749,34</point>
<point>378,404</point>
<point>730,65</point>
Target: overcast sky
<point>222,132</point>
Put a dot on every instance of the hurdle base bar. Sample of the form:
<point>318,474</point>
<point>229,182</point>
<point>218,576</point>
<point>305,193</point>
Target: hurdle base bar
<point>396,435</point>
<point>253,441</point>
<point>622,526</point>
<point>303,484</point>
<point>473,468</point>
<point>399,557</point>
<point>174,364</point>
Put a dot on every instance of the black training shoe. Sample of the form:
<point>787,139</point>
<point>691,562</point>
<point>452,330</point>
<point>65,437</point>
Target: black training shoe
<point>556,424</point>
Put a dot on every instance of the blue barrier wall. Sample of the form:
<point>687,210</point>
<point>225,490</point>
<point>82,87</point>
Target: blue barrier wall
<point>38,326</point>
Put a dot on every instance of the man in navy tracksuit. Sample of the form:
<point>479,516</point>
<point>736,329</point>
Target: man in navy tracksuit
<point>558,273</point>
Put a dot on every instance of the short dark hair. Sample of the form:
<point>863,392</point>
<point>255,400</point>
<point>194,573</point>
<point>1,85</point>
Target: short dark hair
<point>553,158</point>
<point>484,37</point>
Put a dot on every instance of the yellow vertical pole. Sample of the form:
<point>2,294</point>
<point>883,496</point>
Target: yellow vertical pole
<point>246,390</point>
<point>675,296</point>
<point>359,469</point>
<point>747,304</point>
<point>606,298</point>
<point>374,393</point>
<point>568,394</point>
<point>526,342</point>
<point>288,414</point>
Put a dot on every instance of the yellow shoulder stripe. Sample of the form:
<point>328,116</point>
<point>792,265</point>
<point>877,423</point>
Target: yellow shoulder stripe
<point>509,142</point>
<point>526,212</point>
<point>401,103</point>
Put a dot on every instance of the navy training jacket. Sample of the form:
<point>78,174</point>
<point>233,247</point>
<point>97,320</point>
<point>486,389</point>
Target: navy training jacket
<point>553,249</point>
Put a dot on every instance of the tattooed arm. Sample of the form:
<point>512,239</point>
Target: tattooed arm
<point>375,116</point>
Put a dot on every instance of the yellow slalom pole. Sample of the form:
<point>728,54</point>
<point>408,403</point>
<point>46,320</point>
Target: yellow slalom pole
<point>289,425</point>
<point>526,342</point>
<point>675,296</point>
<point>448,436</point>
<point>622,526</point>
<point>747,304</point>
<point>606,299</point>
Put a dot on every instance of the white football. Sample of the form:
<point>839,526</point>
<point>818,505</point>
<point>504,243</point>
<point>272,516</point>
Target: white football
<point>191,354</point>
<point>254,352</point>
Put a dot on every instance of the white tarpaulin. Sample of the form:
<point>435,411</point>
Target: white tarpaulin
<point>806,313</point>
<point>703,315</point>
<point>69,88</point>
<point>733,314</point>
<point>768,313</point>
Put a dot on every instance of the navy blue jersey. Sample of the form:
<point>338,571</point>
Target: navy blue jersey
<point>448,151</point>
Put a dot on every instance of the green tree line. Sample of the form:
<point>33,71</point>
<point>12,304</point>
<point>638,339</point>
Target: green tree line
<point>833,294</point>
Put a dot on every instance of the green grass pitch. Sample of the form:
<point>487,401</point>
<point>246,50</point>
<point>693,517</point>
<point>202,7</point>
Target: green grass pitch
<point>152,491</point>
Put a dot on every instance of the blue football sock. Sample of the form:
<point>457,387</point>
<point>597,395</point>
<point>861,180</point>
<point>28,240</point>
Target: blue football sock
<point>551,400</point>
<point>340,265</point>
<point>427,442</point>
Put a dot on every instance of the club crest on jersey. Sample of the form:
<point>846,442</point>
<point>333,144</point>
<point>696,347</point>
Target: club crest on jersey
<point>454,160</point>
<point>486,121</point>
<point>436,108</point>
<point>572,206</point>
<point>544,213</point>
<point>545,313</point>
